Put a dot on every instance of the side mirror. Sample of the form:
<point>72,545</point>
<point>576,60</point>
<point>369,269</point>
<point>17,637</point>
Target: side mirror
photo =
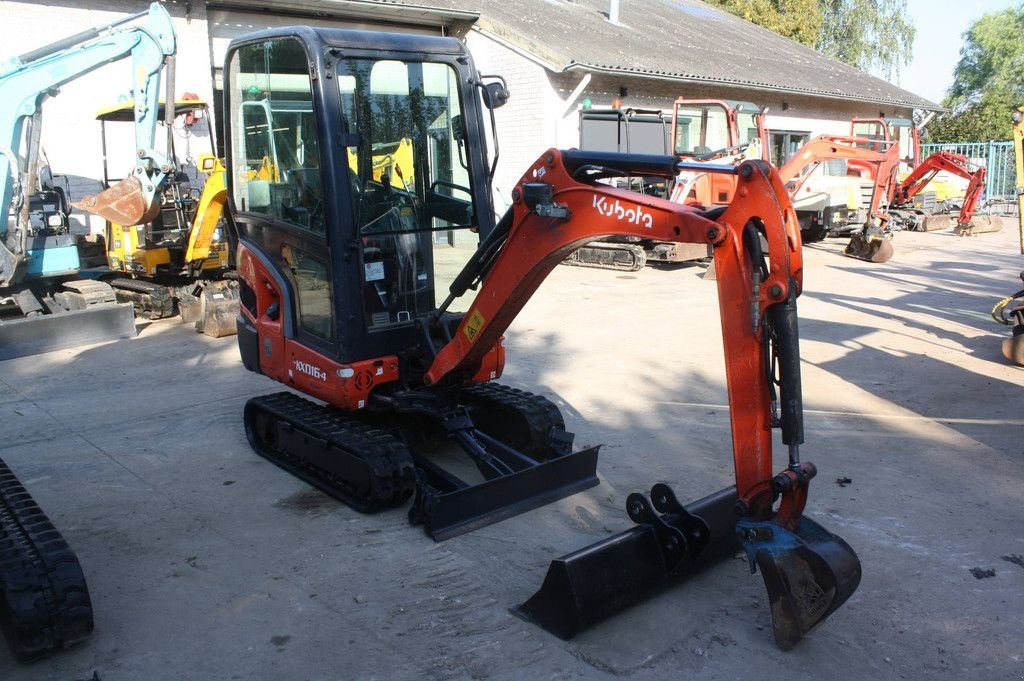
<point>495,94</point>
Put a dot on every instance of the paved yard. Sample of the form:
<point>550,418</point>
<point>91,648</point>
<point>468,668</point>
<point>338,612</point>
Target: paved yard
<point>207,562</point>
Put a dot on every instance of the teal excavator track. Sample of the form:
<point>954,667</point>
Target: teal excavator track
<point>44,600</point>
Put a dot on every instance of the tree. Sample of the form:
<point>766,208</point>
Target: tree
<point>798,20</point>
<point>871,35</point>
<point>988,81</point>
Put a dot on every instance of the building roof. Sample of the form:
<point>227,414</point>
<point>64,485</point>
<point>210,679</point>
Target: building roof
<point>684,41</point>
<point>680,40</point>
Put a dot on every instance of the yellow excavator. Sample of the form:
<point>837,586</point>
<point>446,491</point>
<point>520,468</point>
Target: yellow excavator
<point>179,260</point>
<point>1010,310</point>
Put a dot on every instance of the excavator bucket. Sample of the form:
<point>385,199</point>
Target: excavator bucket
<point>808,574</point>
<point>124,203</point>
<point>870,248</point>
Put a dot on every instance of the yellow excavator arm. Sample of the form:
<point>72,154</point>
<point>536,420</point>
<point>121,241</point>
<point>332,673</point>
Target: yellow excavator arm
<point>1018,153</point>
<point>208,212</point>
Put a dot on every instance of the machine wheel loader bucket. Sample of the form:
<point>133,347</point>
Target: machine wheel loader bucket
<point>808,574</point>
<point>870,248</point>
<point>124,203</point>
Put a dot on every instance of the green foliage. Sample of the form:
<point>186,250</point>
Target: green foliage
<point>988,82</point>
<point>872,35</point>
<point>798,20</point>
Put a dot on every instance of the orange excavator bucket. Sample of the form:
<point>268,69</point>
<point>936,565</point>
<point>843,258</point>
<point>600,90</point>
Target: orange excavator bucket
<point>124,203</point>
<point>870,247</point>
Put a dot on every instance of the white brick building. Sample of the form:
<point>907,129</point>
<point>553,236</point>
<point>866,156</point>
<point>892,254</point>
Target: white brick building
<point>555,54</point>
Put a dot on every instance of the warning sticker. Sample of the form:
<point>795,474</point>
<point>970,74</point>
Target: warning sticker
<point>374,271</point>
<point>473,326</point>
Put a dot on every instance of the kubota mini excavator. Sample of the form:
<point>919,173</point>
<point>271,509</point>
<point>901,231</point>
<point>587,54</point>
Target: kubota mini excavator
<point>44,600</point>
<point>350,283</point>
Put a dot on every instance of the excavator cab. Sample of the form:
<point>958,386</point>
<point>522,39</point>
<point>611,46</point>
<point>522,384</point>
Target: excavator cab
<point>358,195</point>
<point>714,131</point>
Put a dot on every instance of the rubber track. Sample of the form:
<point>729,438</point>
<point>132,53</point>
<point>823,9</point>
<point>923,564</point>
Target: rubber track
<point>388,461</point>
<point>578,257</point>
<point>493,401</point>
<point>151,300</point>
<point>44,600</point>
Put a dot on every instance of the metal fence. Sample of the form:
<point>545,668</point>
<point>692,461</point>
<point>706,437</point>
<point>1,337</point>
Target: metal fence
<point>997,157</point>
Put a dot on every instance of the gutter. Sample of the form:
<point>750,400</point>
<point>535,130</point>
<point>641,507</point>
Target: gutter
<point>746,85</point>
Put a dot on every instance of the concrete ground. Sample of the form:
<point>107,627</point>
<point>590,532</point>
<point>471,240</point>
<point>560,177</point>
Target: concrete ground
<point>207,562</point>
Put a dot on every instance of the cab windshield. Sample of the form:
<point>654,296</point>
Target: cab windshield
<point>701,129</point>
<point>408,167</point>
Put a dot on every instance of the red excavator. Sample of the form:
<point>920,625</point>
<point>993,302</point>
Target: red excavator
<point>925,172</point>
<point>352,284</point>
<point>925,215</point>
<point>872,238</point>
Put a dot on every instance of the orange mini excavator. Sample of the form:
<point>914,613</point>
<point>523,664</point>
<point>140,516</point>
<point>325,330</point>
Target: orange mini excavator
<point>353,285</point>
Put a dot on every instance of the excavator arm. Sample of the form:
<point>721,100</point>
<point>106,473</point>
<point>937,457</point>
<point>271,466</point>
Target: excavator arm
<point>872,243</point>
<point>27,80</point>
<point>926,171</point>
<point>558,206</point>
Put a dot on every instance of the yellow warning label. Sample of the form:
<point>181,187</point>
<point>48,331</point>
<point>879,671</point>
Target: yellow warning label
<point>473,326</point>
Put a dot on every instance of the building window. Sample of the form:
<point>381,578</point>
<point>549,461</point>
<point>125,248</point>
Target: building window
<point>785,143</point>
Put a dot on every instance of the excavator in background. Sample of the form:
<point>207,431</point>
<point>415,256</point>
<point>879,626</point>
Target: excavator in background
<point>739,128</point>
<point>180,261</point>
<point>966,221</point>
<point>719,132</point>
<point>44,599</point>
<point>921,210</point>
<point>871,236</point>
<point>45,302</point>
<point>1010,310</point>
<point>635,131</point>
<point>348,297</point>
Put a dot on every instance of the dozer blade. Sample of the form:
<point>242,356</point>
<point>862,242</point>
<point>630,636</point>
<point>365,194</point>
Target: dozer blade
<point>808,574</point>
<point>980,224</point>
<point>44,333</point>
<point>601,580</point>
<point>872,248</point>
<point>933,223</point>
<point>452,507</point>
<point>123,203</point>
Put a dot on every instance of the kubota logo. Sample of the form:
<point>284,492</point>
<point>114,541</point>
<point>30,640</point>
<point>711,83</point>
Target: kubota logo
<point>635,215</point>
<point>310,370</point>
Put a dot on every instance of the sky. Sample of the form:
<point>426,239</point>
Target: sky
<point>940,25</point>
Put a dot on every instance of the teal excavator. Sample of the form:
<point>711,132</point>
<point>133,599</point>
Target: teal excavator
<point>44,599</point>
